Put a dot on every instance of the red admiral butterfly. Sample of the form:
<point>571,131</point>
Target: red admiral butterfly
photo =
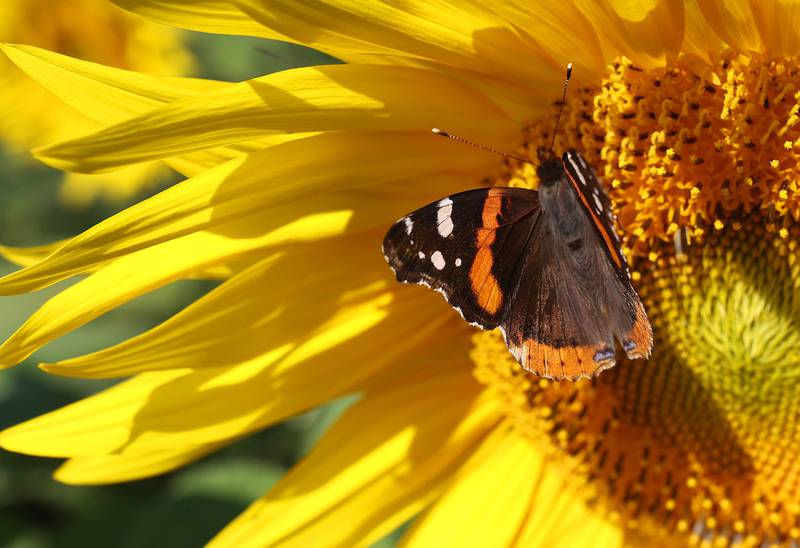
<point>545,267</point>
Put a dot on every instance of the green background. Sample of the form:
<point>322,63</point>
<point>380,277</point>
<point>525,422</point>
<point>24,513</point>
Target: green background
<point>184,508</point>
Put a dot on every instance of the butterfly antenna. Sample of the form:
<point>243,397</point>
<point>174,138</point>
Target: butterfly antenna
<point>443,133</point>
<point>561,108</point>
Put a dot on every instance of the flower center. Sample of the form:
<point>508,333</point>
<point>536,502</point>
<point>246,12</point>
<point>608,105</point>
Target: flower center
<point>681,155</point>
<point>703,439</point>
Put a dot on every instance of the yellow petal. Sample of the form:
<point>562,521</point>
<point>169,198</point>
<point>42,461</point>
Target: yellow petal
<point>489,499</point>
<point>700,44</point>
<point>379,465</point>
<point>646,31</point>
<point>272,325</point>
<point>461,34</point>
<point>127,466</point>
<point>733,21</point>
<point>510,494</point>
<point>559,517</point>
<point>79,190</point>
<point>777,22</point>
<point>212,16</point>
<point>300,172</point>
<point>27,256</point>
<point>185,411</point>
<point>96,425</point>
<point>110,95</point>
<point>337,97</point>
<point>563,34</point>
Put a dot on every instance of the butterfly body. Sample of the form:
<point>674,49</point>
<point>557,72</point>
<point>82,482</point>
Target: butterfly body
<point>545,267</point>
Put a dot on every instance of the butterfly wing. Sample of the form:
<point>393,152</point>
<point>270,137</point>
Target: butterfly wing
<point>499,262</point>
<point>469,247</point>
<point>568,308</point>
<point>638,340</point>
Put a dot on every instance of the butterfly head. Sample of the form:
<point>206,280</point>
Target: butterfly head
<point>550,171</point>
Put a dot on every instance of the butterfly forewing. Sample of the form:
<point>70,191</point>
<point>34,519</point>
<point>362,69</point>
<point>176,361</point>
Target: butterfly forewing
<point>452,245</point>
<point>638,341</point>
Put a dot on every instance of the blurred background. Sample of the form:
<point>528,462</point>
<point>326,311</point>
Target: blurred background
<point>39,206</point>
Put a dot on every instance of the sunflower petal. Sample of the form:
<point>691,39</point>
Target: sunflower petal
<point>337,97</point>
<point>110,414</point>
<point>27,256</point>
<point>212,16</point>
<point>563,34</point>
<point>137,273</point>
<point>495,486</point>
<point>700,46</point>
<point>379,465</point>
<point>110,95</point>
<point>299,172</point>
<point>646,32</point>
<point>777,24</point>
<point>277,324</point>
<point>468,35</point>
<point>733,21</point>
<point>174,411</point>
<point>128,466</point>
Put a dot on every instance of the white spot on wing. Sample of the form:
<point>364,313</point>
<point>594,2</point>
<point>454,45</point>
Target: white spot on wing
<point>438,260</point>
<point>458,262</point>
<point>409,225</point>
<point>578,169</point>
<point>597,201</point>
<point>444,222</point>
<point>421,255</point>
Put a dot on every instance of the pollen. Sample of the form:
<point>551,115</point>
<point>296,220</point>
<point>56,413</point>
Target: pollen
<point>679,149</point>
<point>703,439</point>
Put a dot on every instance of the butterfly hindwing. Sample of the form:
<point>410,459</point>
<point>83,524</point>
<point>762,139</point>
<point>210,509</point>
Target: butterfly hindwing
<point>453,246</point>
<point>568,308</point>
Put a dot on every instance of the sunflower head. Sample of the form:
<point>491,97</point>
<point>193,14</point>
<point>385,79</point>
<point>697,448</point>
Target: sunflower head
<point>688,110</point>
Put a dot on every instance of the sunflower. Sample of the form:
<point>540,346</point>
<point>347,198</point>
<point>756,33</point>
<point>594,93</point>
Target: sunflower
<point>689,112</point>
<point>95,30</point>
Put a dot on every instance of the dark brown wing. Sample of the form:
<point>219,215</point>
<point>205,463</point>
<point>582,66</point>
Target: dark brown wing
<point>468,246</point>
<point>568,308</point>
<point>638,341</point>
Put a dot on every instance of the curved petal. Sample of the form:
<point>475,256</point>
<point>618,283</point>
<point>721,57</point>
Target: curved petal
<point>337,97</point>
<point>734,22</point>
<point>27,256</point>
<point>385,460</point>
<point>467,35</point>
<point>510,494</point>
<point>272,323</point>
<point>109,95</point>
<point>242,190</point>
<point>133,465</point>
<point>648,32</point>
<point>171,413</point>
<point>777,22</point>
<point>212,16</point>
<point>488,499</point>
<point>564,34</point>
<point>700,41</point>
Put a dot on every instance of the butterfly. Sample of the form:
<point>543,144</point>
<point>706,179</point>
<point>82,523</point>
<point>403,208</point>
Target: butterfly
<point>545,267</point>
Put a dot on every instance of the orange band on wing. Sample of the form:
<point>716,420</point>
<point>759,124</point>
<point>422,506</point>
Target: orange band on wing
<point>606,236</point>
<point>568,362</point>
<point>641,334</point>
<point>487,291</point>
